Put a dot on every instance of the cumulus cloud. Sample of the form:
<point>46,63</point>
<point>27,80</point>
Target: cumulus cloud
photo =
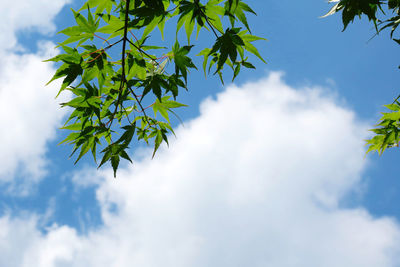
<point>29,114</point>
<point>256,180</point>
<point>26,16</point>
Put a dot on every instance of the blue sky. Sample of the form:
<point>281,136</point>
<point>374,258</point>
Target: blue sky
<point>268,171</point>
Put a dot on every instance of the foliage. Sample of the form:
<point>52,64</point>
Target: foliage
<point>109,96</point>
<point>386,134</point>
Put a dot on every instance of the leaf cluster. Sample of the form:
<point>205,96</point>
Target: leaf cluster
<point>374,10</point>
<point>356,8</point>
<point>387,131</point>
<point>111,98</point>
<point>386,134</point>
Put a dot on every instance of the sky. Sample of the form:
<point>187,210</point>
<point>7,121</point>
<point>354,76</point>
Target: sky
<point>269,170</point>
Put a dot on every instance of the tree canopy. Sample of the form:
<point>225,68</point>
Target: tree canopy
<point>111,98</point>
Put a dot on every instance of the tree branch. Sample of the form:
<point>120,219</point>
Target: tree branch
<point>123,78</point>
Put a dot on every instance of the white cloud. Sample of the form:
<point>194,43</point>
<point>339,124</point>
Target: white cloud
<point>24,16</point>
<point>29,114</point>
<point>255,180</point>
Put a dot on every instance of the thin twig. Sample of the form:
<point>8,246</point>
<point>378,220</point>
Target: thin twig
<point>169,11</point>
<point>140,105</point>
<point>396,99</point>
<point>111,45</point>
<point>141,50</point>
<point>124,42</point>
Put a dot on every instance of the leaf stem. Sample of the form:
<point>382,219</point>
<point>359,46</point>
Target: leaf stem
<point>208,22</point>
<point>101,38</point>
<point>211,26</point>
